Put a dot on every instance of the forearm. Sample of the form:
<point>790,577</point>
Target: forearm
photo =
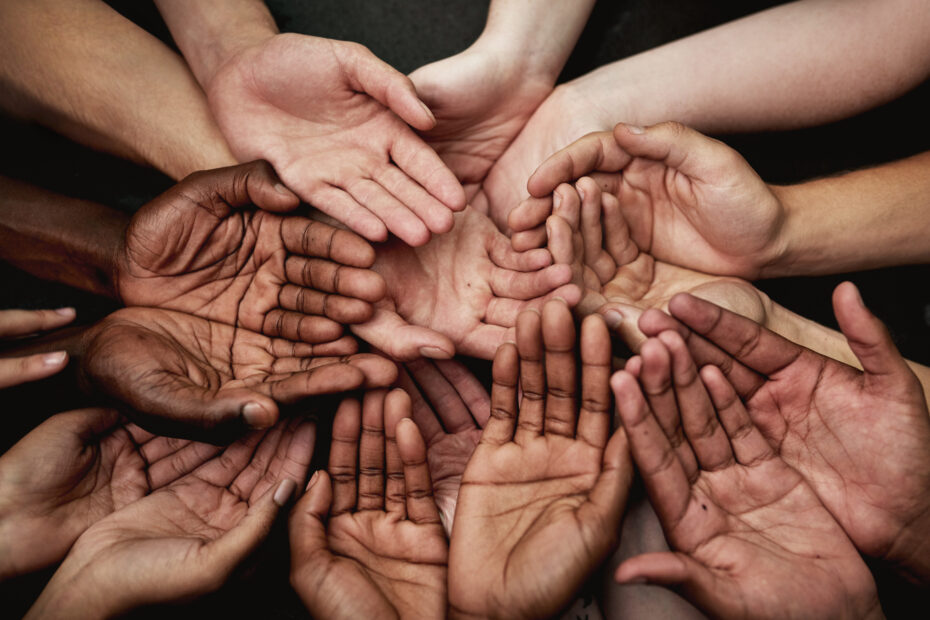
<point>538,35</point>
<point>106,83</point>
<point>795,65</point>
<point>209,32</point>
<point>866,219</point>
<point>54,237</point>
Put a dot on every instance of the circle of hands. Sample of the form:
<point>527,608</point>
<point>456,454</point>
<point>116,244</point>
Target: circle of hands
<point>771,468</point>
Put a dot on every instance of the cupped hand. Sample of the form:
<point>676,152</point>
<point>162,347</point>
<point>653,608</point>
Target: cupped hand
<point>73,470</point>
<point>21,323</point>
<point>450,406</point>
<point>749,537</point>
<point>689,200</point>
<point>542,496</point>
<point>861,439</point>
<point>179,374</point>
<point>460,293</point>
<point>332,119</point>
<point>185,539</point>
<point>203,248</point>
<point>366,541</point>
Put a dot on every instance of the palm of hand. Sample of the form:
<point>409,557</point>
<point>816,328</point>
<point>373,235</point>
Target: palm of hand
<point>447,458</point>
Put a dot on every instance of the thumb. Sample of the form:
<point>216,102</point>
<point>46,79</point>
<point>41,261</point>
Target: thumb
<point>594,152</point>
<point>307,524</point>
<point>388,331</point>
<point>694,580</point>
<point>254,183</point>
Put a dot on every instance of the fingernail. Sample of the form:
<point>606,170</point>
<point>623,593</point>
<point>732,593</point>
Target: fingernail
<point>278,187</point>
<point>635,129</point>
<point>54,359</point>
<point>636,581</point>
<point>434,353</point>
<point>284,492</point>
<point>313,479</point>
<point>548,230</point>
<point>556,200</point>
<point>427,110</point>
<point>613,319</point>
<point>255,415</point>
<point>580,191</point>
<point>560,299</point>
<point>859,297</point>
<point>70,312</point>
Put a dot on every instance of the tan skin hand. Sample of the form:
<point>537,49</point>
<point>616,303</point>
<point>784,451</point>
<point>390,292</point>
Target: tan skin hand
<point>366,540</point>
<point>22,323</point>
<point>749,537</point>
<point>203,248</point>
<point>541,498</point>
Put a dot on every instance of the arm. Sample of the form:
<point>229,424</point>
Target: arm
<point>102,68</point>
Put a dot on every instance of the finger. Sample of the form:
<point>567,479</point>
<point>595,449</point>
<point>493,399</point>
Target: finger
<point>656,379</point>
<point>399,219</point>
<point>421,506</point>
<point>868,337</point>
<point>617,240</point>
<point>592,231</point>
<point>292,459</point>
<point>422,413</point>
<point>561,244</point>
<point>222,470</point>
<point>528,285</point>
<point>662,472</point>
<point>16,370</point>
<point>694,580</point>
<point>371,452</point>
<point>532,376</point>
<point>330,277</point>
<point>274,440</point>
<point>343,310</point>
<point>311,238</point>
<point>503,255</point>
<point>698,416</point>
<point>607,499</point>
<point>595,151</point>
<point>558,331</point>
<point>397,407</point>
<point>594,416</point>
<point>424,166</point>
<point>330,378</point>
<point>444,399</point>
<point>188,457</point>
<point>25,322</point>
<point>749,446</point>
<point>338,204</point>
<point>300,327</point>
<point>500,426</point>
<point>747,341</point>
<point>504,312</point>
<point>677,146</point>
<point>530,214</point>
<point>307,523</point>
<point>404,342</point>
<point>470,389</point>
<point>528,239</point>
<point>254,183</point>
<point>343,453</point>
<point>435,215</point>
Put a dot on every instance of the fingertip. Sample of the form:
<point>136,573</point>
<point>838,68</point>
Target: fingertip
<point>284,492</point>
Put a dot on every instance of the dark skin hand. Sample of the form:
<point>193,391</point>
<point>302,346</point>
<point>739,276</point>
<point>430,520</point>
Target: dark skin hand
<point>542,496</point>
<point>175,373</point>
<point>366,539</point>
<point>187,538</point>
<point>749,537</point>
<point>203,249</point>
<point>861,439</point>
<point>73,470</point>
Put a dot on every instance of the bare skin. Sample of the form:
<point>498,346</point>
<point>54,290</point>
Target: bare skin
<point>20,323</point>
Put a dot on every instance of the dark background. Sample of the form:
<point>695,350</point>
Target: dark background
<point>408,34</point>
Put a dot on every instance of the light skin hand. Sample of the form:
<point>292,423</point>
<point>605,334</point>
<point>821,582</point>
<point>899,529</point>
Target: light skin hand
<point>542,496</point>
<point>366,539</point>
<point>187,538</point>
<point>22,323</point>
<point>332,119</point>
<point>451,407</point>
<point>459,293</point>
<point>202,248</point>
<point>179,374</point>
<point>749,537</point>
<point>859,438</point>
<point>73,470</point>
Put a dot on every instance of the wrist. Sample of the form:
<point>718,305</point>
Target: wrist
<point>779,258</point>
<point>73,599</point>
<point>910,553</point>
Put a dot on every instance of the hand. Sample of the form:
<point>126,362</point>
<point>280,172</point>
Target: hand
<point>542,496</point>
<point>331,118</point>
<point>749,537</point>
<point>73,470</point>
<point>450,406</point>
<point>688,199</point>
<point>201,249</point>
<point>860,439</point>
<point>186,539</point>
<point>459,293</point>
<point>19,323</point>
<point>481,100</point>
<point>178,374</point>
<point>382,551</point>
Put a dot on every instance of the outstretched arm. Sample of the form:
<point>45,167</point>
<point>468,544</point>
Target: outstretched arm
<point>95,85</point>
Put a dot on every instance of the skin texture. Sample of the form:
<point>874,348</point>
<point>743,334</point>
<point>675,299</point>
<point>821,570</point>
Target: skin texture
<point>460,293</point>
<point>179,374</point>
<point>861,439</point>
<point>542,496</point>
<point>201,248</point>
<point>73,470</point>
<point>332,120</point>
<point>186,539</point>
<point>750,538</point>
<point>451,407</point>
<point>366,539</point>
<point>20,323</point>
